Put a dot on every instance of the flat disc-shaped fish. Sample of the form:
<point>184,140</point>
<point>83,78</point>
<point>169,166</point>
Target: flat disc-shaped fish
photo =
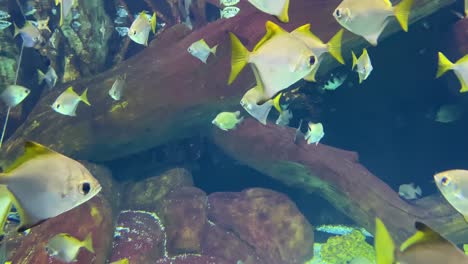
<point>66,247</point>
<point>315,133</point>
<point>368,18</point>
<point>67,102</point>
<point>13,95</point>
<point>44,184</point>
<point>118,87</point>
<point>453,184</point>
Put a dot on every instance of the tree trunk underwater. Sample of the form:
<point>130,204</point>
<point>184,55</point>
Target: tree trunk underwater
<point>171,95</point>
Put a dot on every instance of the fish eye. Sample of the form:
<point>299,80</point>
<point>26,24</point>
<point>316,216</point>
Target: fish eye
<point>57,106</point>
<point>445,181</point>
<point>189,49</point>
<point>85,188</point>
<point>311,60</point>
<point>338,13</point>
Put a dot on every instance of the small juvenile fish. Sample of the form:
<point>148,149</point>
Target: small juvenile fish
<point>426,246</point>
<point>409,191</point>
<point>315,133</point>
<point>453,184</point>
<point>335,81</point>
<point>65,8</point>
<point>67,102</point>
<point>117,89</point>
<point>66,247</point>
<point>13,95</point>
<point>121,11</point>
<point>4,24</point>
<point>50,77</point>
<point>460,68</point>
<point>228,12</point>
<point>32,37</point>
<point>368,18</point>
<point>141,27</point>
<point>123,31</point>
<point>363,65</point>
<point>278,8</point>
<point>227,120</point>
<point>201,50</point>
<point>229,2</point>
<point>37,182</point>
<point>449,113</point>
<point>4,15</point>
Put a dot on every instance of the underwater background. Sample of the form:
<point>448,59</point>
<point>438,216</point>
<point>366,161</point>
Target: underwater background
<point>177,189</point>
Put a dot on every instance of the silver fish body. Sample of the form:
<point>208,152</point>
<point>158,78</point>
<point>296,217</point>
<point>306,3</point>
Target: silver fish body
<point>118,87</point>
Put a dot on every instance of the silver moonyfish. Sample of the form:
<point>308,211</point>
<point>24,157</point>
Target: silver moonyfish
<point>141,27</point>
<point>426,246</point>
<point>50,77</point>
<point>278,8</point>
<point>368,18</point>
<point>118,87</point>
<point>460,68</point>
<point>65,8</point>
<point>227,120</point>
<point>280,59</point>
<point>201,50</point>
<point>30,34</point>
<point>409,191</point>
<point>449,113</point>
<point>67,102</point>
<point>362,65</point>
<point>318,47</point>
<point>315,133</point>
<point>43,184</point>
<point>229,2</point>
<point>13,95</point>
<point>453,184</point>
<point>65,247</point>
<point>229,12</point>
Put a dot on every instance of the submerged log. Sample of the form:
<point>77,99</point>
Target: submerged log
<point>171,94</point>
<point>337,176</point>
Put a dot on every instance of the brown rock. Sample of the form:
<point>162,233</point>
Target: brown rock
<point>266,220</point>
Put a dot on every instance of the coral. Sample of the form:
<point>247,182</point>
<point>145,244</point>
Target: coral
<point>340,249</point>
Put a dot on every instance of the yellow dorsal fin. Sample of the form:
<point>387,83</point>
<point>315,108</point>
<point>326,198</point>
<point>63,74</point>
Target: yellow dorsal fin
<point>388,3</point>
<point>31,150</point>
<point>153,23</point>
<point>71,91</point>
<point>284,17</point>
<point>272,29</point>
<point>424,234</point>
<point>305,30</point>
<point>143,14</point>
<point>383,243</point>
<point>354,60</point>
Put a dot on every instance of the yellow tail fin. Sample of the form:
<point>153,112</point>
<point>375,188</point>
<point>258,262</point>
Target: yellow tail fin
<point>213,49</point>
<point>239,57</point>
<point>444,65</point>
<point>88,243</point>
<point>283,17</point>
<point>153,23</point>
<point>383,244</point>
<point>354,60</point>
<point>17,30</point>
<point>402,12</point>
<point>84,97</point>
<point>334,46</point>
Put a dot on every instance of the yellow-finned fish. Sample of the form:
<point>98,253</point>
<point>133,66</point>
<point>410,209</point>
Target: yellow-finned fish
<point>425,247</point>
<point>318,47</point>
<point>368,18</point>
<point>227,120</point>
<point>280,59</point>
<point>453,184</point>
<point>363,65</point>
<point>65,247</point>
<point>141,27</point>
<point>67,102</point>
<point>43,184</point>
<point>65,8</point>
<point>118,87</point>
<point>50,77</point>
<point>201,50</point>
<point>32,37</point>
<point>278,8</point>
<point>13,95</point>
<point>460,68</point>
